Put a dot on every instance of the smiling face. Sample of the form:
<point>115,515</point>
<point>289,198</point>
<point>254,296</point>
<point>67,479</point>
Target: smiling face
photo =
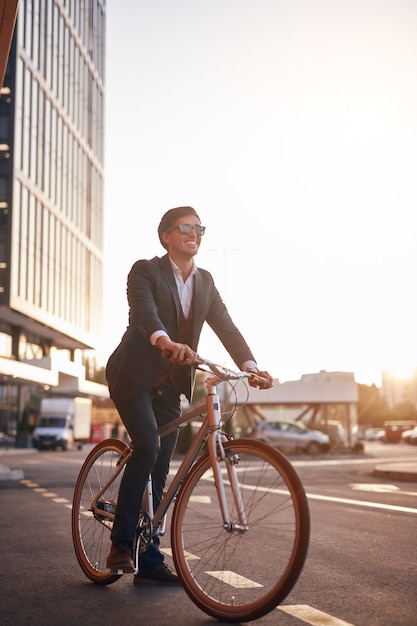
<point>182,247</point>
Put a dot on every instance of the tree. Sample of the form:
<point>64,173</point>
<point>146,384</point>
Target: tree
<point>94,372</point>
<point>404,412</point>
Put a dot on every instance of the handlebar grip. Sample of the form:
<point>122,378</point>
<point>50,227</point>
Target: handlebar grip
<point>257,380</point>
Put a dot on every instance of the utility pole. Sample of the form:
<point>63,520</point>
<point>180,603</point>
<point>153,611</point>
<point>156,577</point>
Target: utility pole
<point>224,252</point>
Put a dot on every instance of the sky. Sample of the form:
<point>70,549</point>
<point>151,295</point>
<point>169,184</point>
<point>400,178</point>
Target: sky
<point>291,127</point>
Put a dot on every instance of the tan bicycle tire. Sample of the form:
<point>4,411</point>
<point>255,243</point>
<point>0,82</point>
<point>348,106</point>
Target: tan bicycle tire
<point>214,564</point>
<point>91,537</point>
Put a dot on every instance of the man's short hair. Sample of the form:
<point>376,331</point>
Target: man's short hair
<point>170,217</point>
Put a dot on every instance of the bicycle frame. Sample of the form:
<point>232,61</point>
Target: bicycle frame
<point>209,430</point>
<point>188,461</point>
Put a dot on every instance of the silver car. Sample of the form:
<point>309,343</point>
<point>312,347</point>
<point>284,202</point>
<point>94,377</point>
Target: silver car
<point>289,435</point>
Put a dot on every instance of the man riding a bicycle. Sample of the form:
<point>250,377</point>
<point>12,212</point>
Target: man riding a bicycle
<point>169,300</point>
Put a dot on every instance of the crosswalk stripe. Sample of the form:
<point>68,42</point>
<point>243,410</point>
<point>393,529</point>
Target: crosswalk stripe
<point>312,616</point>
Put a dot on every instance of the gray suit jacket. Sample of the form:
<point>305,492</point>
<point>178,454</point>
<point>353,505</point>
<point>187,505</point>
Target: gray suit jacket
<point>154,304</point>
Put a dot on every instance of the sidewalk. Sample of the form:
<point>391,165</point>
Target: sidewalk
<point>406,471</point>
<point>5,472</point>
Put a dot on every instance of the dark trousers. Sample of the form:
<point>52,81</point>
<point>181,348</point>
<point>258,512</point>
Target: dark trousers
<point>142,417</point>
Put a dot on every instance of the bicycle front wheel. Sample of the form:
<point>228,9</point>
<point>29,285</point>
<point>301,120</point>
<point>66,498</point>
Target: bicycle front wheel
<point>241,572</point>
<point>90,530</point>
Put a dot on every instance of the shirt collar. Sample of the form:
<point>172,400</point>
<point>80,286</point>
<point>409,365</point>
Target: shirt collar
<point>177,271</point>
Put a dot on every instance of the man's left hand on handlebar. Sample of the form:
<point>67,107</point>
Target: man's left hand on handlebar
<point>261,379</point>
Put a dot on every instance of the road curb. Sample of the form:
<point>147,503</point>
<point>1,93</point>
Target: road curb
<point>406,472</point>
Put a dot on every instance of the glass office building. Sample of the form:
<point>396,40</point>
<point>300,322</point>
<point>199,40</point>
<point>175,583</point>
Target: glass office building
<point>51,194</point>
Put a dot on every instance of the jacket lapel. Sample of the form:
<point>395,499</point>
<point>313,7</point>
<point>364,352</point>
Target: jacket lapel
<point>168,276</point>
<point>199,304</point>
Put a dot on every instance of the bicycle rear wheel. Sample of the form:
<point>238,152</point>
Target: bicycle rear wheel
<point>241,574</point>
<point>91,531</point>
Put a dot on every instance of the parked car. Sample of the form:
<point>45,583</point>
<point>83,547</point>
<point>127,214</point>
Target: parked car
<point>409,436</point>
<point>337,433</point>
<point>374,434</point>
<point>289,435</point>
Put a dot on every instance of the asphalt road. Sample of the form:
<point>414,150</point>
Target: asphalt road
<point>361,569</point>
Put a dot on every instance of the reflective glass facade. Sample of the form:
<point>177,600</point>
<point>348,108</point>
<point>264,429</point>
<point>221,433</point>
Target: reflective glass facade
<point>51,175</point>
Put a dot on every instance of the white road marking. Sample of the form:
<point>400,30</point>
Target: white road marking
<point>338,462</point>
<point>234,580</point>
<point>29,483</point>
<point>365,503</point>
<point>312,616</point>
<point>201,499</point>
<point>380,488</point>
<point>188,555</point>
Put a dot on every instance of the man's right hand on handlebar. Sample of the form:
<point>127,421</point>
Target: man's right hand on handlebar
<point>176,352</point>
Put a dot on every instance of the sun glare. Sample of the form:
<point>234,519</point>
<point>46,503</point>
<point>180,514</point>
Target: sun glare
<point>403,369</point>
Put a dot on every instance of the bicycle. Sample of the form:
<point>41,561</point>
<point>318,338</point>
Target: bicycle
<point>240,523</point>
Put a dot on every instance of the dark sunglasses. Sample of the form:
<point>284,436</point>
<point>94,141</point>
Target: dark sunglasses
<point>186,229</point>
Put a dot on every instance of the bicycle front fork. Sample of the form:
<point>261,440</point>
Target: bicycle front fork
<point>219,458</point>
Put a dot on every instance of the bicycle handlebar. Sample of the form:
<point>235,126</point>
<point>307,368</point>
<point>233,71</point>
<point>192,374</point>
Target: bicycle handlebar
<point>224,373</point>
<point>227,374</point>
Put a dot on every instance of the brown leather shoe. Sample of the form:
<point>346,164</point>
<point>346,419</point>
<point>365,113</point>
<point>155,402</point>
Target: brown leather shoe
<point>121,558</point>
<point>161,574</point>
